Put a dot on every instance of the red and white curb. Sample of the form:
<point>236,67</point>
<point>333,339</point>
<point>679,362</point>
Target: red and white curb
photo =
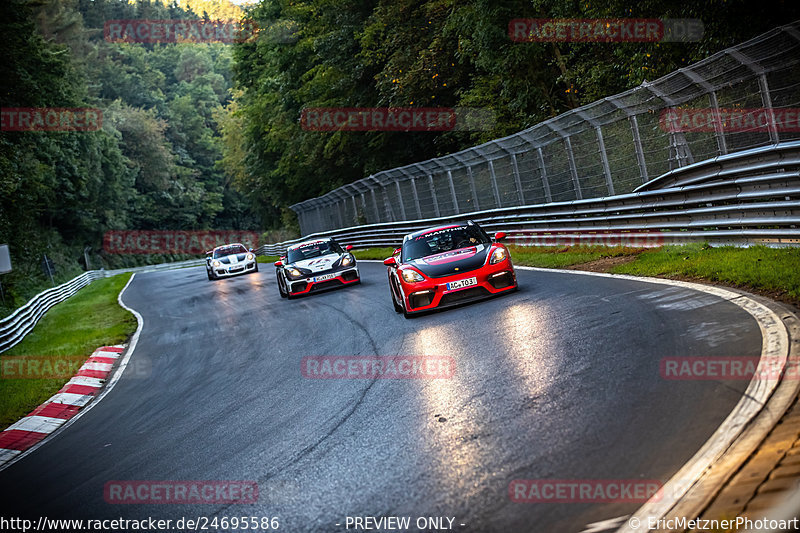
<point>62,406</point>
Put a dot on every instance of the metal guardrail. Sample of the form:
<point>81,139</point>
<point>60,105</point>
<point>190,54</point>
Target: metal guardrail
<point>14,327</point>
<point>750,197</point>
<point>606,148</point>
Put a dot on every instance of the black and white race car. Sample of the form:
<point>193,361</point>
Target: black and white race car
<point>315,265</point>
<point>230,260</point>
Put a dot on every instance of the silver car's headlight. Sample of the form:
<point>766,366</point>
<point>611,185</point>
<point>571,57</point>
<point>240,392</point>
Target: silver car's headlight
<point>216,263</point>
<point>498,255</point>
<point>294,272</point>
<point>347,261</point>
<point>250,257</point>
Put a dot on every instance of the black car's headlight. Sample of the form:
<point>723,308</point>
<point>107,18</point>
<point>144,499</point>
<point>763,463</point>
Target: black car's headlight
<point>294,273</point>
<point>499,254</point>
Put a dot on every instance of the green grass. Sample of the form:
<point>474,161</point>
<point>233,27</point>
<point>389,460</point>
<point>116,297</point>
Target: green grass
<point>373,253</point>
<point>76,327</point>
<point>757,267</point>
<point>564,256</point>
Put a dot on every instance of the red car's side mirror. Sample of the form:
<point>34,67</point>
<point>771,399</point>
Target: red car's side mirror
<point>397,251</point>
<point>348,247</point>
<point>499,236</point>
<point>391,261</point>
<point>278,263</point>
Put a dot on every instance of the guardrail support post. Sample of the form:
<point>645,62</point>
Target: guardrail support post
<point>472,188</point>
<point>722,144</point>
<point>495,190</point>
<point>637,146</point>
<point>433,196</point>
<point>543,171</point>
<point>416,197</point>
<point>400,199</point>
<point>604,158</point>
<point>453,191</point>
<point>573,170</point>
<point>517,180</point>
<point>766,99</point>
<point>364,207</point>
<point>375,205</point>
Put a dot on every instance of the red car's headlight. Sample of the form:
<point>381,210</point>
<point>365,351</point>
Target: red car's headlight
<point>499,254</point>
<point>411,276</point>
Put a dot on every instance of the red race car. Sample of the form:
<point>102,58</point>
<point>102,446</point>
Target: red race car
<point>448,265</point>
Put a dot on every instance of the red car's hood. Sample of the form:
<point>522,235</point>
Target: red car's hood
<point>452,262</point>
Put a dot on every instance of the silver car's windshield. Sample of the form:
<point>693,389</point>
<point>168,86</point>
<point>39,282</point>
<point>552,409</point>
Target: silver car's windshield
<point>229,250</point>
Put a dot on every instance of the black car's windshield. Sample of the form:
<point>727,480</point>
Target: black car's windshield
<point>229,250</point>
<point>313,249</point>
<point>443,240</point>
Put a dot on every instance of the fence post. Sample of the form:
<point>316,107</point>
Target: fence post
<point>400,199</point>
<point>604,158</point>
<point>517,180</point>
<point>472,187</point>
<point>375,205</point>
<point>453,191</point>
<point>416,197</point>
<point>766,100</point>
<point>543,171</point>
<point>494,185</point>
<point>637,145</point>
<point>433,196</point>
<point>573,169</point>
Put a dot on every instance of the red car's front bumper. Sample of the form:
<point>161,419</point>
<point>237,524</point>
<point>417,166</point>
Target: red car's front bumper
<point>432,293</point>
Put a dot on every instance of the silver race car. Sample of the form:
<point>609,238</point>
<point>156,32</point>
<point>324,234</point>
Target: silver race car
<point>315,265</point>
<point>230,260</point>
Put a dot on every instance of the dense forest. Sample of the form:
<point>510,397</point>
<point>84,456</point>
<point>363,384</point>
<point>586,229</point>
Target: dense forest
<point>208,135</point>
<point>154,164</point>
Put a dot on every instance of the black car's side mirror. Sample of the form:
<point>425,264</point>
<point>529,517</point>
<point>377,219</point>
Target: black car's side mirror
<point>279,263</point>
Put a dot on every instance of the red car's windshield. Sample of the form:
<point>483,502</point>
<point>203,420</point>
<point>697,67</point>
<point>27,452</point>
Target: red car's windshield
<point>443,240</point>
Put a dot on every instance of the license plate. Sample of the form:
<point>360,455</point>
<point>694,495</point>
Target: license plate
<point>324,277</point>
<point>460,284</point>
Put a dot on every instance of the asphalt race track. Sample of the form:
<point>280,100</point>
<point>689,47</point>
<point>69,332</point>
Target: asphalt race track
<point>559,380</point>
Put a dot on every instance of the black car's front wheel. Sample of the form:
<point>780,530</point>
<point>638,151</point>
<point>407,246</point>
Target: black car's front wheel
<point>281,289</point>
